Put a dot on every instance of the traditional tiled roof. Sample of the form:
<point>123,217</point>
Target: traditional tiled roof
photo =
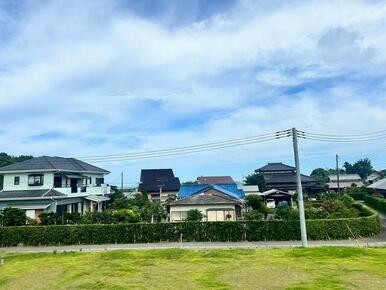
<point>215,180</point>
<point>380,184</point>
<point>345,177</point>
<point>285,178</point>
<point>275,192</point>
<point>53,163</point>
<point>154,179</point>
<point>38,193</point>
<point>278,166</point>
<point>208,196</point>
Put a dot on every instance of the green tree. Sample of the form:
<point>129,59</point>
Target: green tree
<point>320,175</point>
<point>194,215</point>
<point>256,179</point>
<point>362,167</point>
<point>119,200</point>
<point>13,217</point>
<point>6,159</point>
<point>332,171</point>
<point>253,201</point>
<point>157,212</point>
<point>189,182</point>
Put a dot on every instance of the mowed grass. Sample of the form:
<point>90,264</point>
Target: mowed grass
<point>316,268</point>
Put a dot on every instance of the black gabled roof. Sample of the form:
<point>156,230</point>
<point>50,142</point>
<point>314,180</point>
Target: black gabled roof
<point>276,167</point>
<point>54,163</point>
<point>30,193</point>
<point>153,179</point>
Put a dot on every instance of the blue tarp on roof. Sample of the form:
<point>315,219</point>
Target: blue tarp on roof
<point>229,189</point>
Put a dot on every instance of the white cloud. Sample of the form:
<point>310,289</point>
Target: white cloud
<point>109,81</point>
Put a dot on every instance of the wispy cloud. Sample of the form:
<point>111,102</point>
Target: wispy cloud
<point>99,77</point>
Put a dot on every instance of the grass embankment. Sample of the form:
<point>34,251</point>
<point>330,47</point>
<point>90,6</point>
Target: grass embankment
<point>317,268</point>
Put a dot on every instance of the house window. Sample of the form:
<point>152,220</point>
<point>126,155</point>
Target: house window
<point>99,181</point>
<point>16,180</point>
<point>35,179</point>
<point>57,181</point>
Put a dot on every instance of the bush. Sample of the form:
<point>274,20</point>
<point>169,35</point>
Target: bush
<point>13,217</point>
<point>189,231</point>
<point>253,201</point>
<point>194,215</point>
<point>378,203</point>
<point>50,218</point>
<point>285,212</point>
<point>253,215</point>
<point>125,216</point>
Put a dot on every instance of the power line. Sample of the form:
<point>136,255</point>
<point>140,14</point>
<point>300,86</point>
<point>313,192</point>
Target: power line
<point>342,138</point>
<point>180,152</point>
<point>273,135</point>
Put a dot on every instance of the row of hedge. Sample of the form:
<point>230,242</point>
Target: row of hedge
<point>377,203</point>
<point>276,230</point>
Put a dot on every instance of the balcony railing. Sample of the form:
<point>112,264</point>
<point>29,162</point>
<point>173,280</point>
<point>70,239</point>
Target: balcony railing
<point>103,189</point>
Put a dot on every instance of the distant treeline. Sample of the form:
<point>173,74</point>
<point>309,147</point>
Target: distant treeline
<point>6,159</point>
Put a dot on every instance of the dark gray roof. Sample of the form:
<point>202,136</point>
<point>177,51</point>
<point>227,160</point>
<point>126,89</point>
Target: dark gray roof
<point>276,167</point>
<point>30,193</point>
<point>210,196</point>
<point>153,179</point>
<point>215,180</point>
<point>54,163</point>
<point>285,178</point>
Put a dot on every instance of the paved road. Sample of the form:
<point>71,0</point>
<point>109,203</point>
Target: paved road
<point>377,241</point>
<point>193,245</point>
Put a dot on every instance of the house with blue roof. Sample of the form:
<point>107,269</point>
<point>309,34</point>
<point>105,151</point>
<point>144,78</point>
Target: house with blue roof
<point>217,202</point>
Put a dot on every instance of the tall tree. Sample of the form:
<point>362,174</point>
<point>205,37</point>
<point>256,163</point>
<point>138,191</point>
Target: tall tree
<point>320,175</point>
<point>256,179</point>
<point>362,167</point>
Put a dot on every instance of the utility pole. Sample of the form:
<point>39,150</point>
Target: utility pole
<point>337,172</point>
<point>303,229</point>
<point>122,181</point>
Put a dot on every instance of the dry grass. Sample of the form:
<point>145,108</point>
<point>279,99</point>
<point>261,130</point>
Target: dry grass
<point>318,268</point>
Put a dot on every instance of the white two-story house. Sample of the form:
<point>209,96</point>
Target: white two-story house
<point>56,184</point>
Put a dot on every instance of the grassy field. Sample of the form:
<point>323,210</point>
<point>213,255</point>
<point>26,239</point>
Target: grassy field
<point>317,268</point>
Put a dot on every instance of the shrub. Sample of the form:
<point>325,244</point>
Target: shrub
<point>71,218</point>
<point>194,215</point>
<point>253,215</point>
<point>125,216</point>
<point>378,203</point>
<point>315,213</point>
<point>13,217</point>
<point>285,212</point>
<point>189,231</point>
<point>50,218</point>
<point>253,201</point>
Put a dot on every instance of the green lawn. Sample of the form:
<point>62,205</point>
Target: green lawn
<point>317,268</point>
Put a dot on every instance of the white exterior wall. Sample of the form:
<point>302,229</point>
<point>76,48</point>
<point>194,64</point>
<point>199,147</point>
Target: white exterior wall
<point>48,183</point>
<point>9,178</point>
<point>176,209</point>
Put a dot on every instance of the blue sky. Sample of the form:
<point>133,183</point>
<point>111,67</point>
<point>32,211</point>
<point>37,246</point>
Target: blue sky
<point>81,78</point>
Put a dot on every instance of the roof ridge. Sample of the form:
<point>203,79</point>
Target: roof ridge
<point>46,159</point>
